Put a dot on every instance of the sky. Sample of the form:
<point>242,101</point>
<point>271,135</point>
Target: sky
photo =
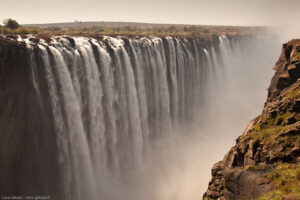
<point>208,12</point>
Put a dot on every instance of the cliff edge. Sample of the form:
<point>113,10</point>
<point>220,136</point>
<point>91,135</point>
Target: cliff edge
<point>265,162</point>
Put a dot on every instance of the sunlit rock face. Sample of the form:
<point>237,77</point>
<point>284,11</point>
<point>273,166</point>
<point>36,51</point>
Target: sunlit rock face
<point>262,163</point>
<point>115,117</point>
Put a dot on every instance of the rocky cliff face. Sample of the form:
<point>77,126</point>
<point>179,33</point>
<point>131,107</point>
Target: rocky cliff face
<point>265,162</point>
<point>27,142</point>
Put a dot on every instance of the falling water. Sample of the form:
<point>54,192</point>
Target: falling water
<point>133,117</point>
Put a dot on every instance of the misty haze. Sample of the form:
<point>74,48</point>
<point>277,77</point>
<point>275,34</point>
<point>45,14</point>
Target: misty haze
<point>150,100</point>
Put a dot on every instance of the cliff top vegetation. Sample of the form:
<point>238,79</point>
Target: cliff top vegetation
<point>130,29</point>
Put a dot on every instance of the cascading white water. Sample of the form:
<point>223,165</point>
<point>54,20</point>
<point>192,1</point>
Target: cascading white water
<point>135,118</point>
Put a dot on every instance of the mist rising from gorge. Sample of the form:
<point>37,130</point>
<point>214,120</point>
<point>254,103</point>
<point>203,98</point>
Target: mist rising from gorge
<point>235,95</point>
<point>178,167</point>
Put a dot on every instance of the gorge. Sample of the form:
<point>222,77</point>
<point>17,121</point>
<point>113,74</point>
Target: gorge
<point>124,117</point>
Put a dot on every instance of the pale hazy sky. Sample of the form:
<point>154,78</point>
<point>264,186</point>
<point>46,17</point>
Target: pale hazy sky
<point>214,12</point>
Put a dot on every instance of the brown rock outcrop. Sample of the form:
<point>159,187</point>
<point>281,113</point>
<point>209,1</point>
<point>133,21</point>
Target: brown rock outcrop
<point>268,139</point>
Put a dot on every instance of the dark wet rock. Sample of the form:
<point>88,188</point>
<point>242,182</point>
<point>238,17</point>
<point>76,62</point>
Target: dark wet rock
<point>23,156</point>
<point>241,184</point>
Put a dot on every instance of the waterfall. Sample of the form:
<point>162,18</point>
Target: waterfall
<point>125,110</point>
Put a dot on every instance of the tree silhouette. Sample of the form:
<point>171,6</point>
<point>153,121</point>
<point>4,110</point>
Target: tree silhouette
<point>10,23</point>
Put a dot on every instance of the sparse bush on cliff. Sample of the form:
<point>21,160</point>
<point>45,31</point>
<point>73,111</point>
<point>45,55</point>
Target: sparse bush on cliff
<point>215,37</point>
<point>195,34</point>
<point>10,23</point>
<point>285,177</point>
<point>274,195</point>
<point>205,30</point>
<point>259,166</point>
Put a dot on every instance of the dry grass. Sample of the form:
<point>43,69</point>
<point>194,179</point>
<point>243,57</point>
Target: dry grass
<point>207,32</point>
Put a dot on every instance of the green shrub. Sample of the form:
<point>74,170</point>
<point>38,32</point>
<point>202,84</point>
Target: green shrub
<point>274,195</point>
<point>259,166</point>
<point>10,23</point>
<point>286,178</point>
